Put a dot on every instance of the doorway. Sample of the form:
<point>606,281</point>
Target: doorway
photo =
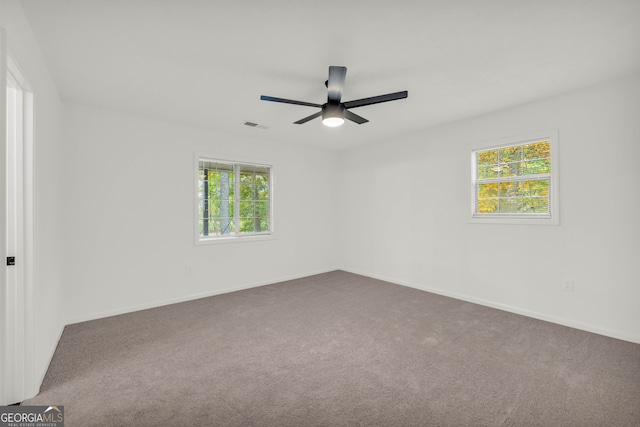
<point>16,220</point>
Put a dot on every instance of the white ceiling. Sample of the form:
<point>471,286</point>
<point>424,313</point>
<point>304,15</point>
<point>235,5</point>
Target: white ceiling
<point>206,63</point>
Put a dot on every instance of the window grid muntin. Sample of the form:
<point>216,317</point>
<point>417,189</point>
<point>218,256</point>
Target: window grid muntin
<point>521,178</point>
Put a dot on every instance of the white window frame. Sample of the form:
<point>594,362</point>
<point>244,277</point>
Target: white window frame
<point>553,217</point>
<point>236,236</point>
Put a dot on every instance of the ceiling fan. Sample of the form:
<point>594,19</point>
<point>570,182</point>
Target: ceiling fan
<point>334,111</point>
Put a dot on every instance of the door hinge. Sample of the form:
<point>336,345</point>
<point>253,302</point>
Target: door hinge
<point>11,260</point>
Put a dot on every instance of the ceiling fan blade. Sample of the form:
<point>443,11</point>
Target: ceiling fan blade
<point>336,83</point>
<point>376,99</point>
<point>289,101</point>
<point>354,117</point>
<point>306,119</point>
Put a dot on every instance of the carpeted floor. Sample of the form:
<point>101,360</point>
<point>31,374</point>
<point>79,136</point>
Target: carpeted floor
<point>338,349</point>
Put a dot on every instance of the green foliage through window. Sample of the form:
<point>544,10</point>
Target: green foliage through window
<point>233,198</point>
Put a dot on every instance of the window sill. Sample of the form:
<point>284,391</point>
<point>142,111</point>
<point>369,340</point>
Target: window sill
<point>234,239</point>
<point>515,220</point>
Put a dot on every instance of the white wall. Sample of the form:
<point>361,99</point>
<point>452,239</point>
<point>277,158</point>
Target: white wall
<point>48,296</point>
<point>129,185</point>
<point>406,203</point>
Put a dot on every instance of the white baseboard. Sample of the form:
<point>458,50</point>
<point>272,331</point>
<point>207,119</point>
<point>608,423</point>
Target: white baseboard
<point>160,303</point>
<point>505,307</point>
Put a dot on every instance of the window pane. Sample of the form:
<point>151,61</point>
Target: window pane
<point>510,189</point>
<point>215,166</point>
<point>541,205</point>
<point>214,226</point>
<point>536,205</point>
<point>247,225</point>
<point>220,226</point>
<point>221,207</point>
<point>232,208</point>
<point>262,187</point>
<point>200,210</point>
<point>538,150</point>
<point>487,206</point>
<point>226,225</point>
<point>227,185</point>
<point>254,170</point>
<point>247,187</point>
<point>511,169</point>
<point>212,207</point>
<point>486,191</point>
<point>511,154</point>
<point>487,158</point>
<point>247,209</point>
<point>509,205</point>
<point>488,171</point>
<point>535,167</point>
<point>213,189</point>
<point>262,170</point>
<point>250,209</point>
<point>254,186</point>
<point>254,225</point>
<point>536,188</point>
<point>262,209</point>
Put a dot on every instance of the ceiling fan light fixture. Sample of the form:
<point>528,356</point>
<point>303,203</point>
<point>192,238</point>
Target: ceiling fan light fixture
<point>333,115</point>
<point>333,122</point>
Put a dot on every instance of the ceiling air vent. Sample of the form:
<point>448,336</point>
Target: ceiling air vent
<point>255,125</point>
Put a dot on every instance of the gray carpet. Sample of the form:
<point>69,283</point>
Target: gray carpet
<point>338,349</point>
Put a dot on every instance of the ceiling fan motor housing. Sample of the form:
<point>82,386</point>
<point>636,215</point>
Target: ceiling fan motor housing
<point>333,110</point>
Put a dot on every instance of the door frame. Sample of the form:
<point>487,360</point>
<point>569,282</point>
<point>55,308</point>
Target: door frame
<point>17,341</point>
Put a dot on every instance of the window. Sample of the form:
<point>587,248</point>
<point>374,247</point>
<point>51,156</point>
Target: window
<point>516,181</point>
<point>234,200</point>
